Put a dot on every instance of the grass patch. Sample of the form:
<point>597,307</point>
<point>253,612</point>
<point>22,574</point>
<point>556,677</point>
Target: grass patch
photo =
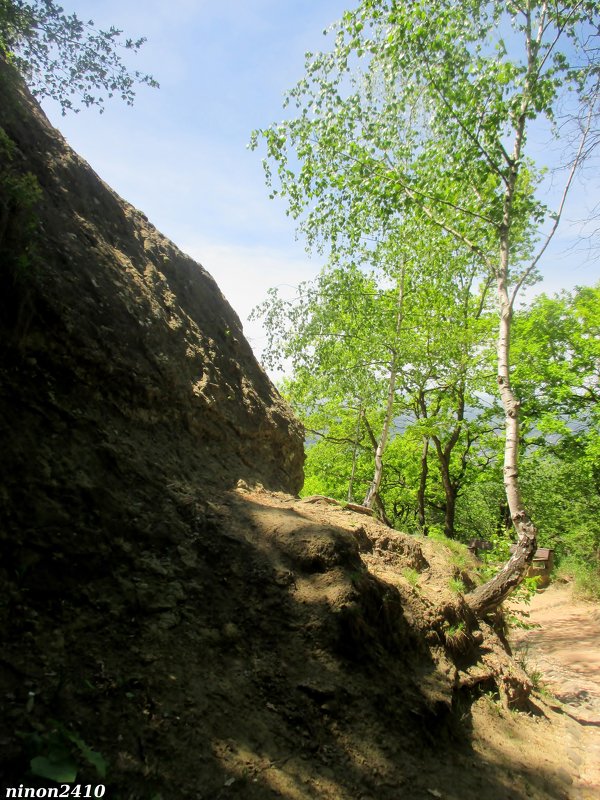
<point>585,578</point>
<point>456,637</point>
<point>459,552</point>
<point>535,675</point>
<point>457,586</point>
<point>411,576</point>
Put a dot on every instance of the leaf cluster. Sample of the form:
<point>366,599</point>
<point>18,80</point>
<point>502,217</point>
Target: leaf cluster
<point>66,58</point>
<point>422,109</point>
<point>62,754</point>
<point>556,345</point>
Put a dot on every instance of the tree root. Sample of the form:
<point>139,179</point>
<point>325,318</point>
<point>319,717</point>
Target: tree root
<point>496,667</point>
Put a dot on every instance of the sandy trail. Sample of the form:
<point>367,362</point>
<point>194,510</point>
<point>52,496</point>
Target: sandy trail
<point>564,652</point>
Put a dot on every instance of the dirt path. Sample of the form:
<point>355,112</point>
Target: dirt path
<point>564,654</point>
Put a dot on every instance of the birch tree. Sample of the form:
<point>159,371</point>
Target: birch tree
<point>402,349</point>
<point>426,110</point>
<point>342,334</point>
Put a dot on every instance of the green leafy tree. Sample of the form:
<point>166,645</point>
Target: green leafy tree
<point>561,487</point>
<point>342,335</point>
<point>399,350</point>
<point>66,58</point>
<point>449,365</point>
<point>557,357</point>
<point>424,110</point>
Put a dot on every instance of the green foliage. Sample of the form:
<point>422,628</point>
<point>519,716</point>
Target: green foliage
<point>328,468</point>
<point>458,551</point>
<point>526,591</point>
<point>61,753</point>
<point>411,576</point>
<point>342,337</point>
<point>558,364</point>
<point>479,507</point>
<point>556,345</point>
<point>457,586</point>
<point>559,466</point>
<point>535,675</point>
<point>585,576</point>
<point>537,681</point>
<point>20,193</point>
<point>57,766</point>
<point>563,493</point>
<point>406,148</point>
<point>559,469</point>
<point>456,637</point>
<point>66,58</point>
<point>494,702</point>
<point>490,560</point>
<point>412,111</point>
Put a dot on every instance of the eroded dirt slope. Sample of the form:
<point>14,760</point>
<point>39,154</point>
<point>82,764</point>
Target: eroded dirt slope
<point>274,648</point>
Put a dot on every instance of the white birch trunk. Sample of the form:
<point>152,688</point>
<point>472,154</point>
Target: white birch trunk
<point>373,491</point>
<point>487,597</point>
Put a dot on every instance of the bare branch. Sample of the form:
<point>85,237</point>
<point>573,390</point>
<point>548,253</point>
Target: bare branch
<point>574,166</point>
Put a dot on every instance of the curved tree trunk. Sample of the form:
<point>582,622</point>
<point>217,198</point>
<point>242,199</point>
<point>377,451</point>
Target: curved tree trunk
<point>487,597</point>
<point>492,593</point>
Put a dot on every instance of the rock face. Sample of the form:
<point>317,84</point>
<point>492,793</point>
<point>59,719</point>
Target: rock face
<point>115,341</point>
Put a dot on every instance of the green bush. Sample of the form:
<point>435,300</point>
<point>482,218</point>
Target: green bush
<point>585,577</point>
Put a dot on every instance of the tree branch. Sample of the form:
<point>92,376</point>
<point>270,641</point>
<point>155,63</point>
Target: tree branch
<point>574,166</point>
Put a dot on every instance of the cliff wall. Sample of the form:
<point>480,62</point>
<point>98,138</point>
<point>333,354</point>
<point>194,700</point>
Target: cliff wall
<point>122,366</point>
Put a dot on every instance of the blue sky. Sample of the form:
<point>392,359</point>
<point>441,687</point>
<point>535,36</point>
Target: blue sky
<point>180,154</point>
